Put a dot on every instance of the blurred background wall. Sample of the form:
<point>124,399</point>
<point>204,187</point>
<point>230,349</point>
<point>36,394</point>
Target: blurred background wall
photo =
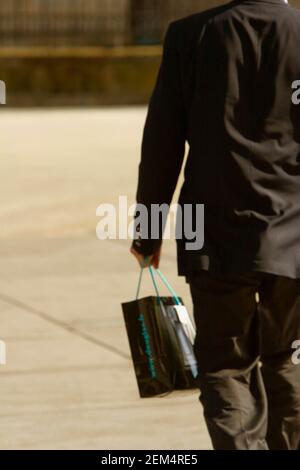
<point>85,52</point>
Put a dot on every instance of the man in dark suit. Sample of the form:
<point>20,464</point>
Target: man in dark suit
<point>225,87</point>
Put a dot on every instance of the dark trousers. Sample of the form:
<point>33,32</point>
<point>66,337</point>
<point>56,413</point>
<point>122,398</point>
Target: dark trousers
<point>248,373</point>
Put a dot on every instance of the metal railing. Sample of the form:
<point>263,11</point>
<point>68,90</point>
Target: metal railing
<point>90,22</point>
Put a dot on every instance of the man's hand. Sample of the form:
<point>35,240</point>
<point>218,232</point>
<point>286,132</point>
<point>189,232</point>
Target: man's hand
<point>153,260</point>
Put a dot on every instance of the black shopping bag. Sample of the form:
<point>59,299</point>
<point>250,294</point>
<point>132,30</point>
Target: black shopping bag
<point>147,330</point>
<point>161,350</point>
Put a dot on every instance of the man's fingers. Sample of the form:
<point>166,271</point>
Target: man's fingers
<point>145,261</point>
<point>142,260</point>
<point>156,260</point>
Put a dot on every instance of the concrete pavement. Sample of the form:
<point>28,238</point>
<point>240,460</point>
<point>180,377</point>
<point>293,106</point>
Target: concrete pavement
<point>69,381</point>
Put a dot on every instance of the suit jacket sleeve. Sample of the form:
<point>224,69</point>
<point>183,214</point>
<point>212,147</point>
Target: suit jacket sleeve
<point>163,145</point>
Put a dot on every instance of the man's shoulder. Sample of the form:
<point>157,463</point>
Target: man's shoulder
<point>223,12</point>
<point>198,20</point>
<point>190,26</point>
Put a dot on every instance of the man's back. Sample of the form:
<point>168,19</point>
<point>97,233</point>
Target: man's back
<point>225,86</point>
<point>244,135</point>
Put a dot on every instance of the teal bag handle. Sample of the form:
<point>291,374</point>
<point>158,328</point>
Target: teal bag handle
<point>169,287</point>
<point>162,277</point>
<point>152,277</point>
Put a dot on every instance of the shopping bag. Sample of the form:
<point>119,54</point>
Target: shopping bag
<point>151,359</point>
<point>160,338</point>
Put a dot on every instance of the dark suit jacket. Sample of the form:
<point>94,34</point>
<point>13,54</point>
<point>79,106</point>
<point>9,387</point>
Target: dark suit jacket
<point>225,88</point>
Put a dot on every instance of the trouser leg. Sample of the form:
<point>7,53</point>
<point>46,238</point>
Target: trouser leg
<point>280,320</point>
<point>227,351</point>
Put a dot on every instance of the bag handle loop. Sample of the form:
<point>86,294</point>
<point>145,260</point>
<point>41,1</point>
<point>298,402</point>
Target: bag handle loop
<point>162,277</point>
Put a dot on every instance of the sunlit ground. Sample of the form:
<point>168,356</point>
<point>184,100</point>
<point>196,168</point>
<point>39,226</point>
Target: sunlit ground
<point>69,381</point>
